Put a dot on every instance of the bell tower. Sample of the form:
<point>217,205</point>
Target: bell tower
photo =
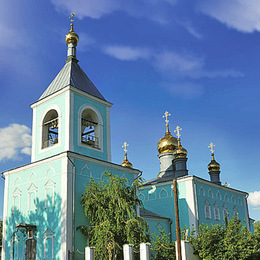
<point>71,114</point>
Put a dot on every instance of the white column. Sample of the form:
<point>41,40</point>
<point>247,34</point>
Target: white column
<point>89,253</point>
<point>145,251</point>
<point>128,252</point>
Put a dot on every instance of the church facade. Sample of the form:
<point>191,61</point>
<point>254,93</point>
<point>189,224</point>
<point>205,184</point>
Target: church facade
<point>71,145</point>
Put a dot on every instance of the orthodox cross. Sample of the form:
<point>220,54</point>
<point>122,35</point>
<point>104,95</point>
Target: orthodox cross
<point>211,145</point>
<point>71,17</point>
<point>166,114</point>
<point>125,146</point>
<point>178,129</point>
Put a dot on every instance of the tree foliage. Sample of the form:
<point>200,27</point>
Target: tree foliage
<point>163,247</point>
<point>231,241</point>
<point>257,228</point>
<point>111,207</point>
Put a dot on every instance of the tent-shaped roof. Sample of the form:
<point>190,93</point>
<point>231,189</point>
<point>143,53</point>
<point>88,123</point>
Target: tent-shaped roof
<point>72,74</point>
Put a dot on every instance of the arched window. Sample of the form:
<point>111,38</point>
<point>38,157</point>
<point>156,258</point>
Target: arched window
<point>32,198</point>
<point>90,128</point>
<point>216,211</point>
<point>202,192</point>
<point>225,211</point>
<point>16,200</point>
<point>218,195</point>
<point>14,246</point>
<point>210,194</point>
<point>235,211</point>
<point>50,129</point>
<point>49,244</point>
<point>207,210</point>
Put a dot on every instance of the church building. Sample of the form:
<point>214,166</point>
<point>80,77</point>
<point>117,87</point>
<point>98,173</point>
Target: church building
<point>70,145</point>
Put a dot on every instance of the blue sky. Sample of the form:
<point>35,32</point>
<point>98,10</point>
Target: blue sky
<point>199,60</point>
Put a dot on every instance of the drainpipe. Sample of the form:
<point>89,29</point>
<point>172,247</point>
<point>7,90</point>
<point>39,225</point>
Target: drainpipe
<point>73,207</point>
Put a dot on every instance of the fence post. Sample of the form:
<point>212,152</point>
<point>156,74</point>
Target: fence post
<point>145,251</point>
<point>89,253</point>
<point>128,252</point>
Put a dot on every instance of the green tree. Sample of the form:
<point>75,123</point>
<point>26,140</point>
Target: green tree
<point>257,228</point>
<point>110,207</point>
<point>163,247</point>
<point>231,241</point>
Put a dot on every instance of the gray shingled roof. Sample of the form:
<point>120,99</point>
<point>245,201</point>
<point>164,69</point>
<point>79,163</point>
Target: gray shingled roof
<point>72,74</point>
<point>145,213</point>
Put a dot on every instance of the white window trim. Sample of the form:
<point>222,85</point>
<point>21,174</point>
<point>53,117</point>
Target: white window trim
<point>17,193</point>
<point>32,189</point>
<point>50,185</point>
<point>216,209</point>
<point>163,190</point>
<point>48,234</point>
<point>207,213</point>
<point>14,239</point>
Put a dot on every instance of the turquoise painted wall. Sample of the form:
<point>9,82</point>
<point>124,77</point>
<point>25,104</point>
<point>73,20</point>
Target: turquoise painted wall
<point>43,218</point>
<point>224,198</point>
<point>59,101</point>
<point>161,202</point>
<point>85,149</point>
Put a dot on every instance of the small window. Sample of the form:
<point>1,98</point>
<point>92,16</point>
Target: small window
<point>207,210</point>
<point>216,211</point>
<point>225,212</point>
<point>50,129</point>
<point>89,128</point>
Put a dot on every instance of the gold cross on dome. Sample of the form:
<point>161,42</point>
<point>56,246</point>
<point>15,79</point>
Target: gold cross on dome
<point>166,114</point>
<point>178,129</point>
<point>71,17</point>
<point>211,145</point>
<point>125,146</point>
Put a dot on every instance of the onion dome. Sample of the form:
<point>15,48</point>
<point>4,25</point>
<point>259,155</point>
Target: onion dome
<point>72,36</point>
<point>180,152</point>
<point>126,163</point>
<point>213,165</point>
<point>168,143</point>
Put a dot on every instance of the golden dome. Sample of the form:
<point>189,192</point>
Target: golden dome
<point>168,143</point>
<point>126,163</point>
<point>213,165</point>
<point>180,152</point>
<point>72,36</point>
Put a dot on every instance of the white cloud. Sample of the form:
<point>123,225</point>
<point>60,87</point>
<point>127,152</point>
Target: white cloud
<point>254,198</point>
<point>152,9</point>
<point>176,69</point>
<point>186,65</point>
<point>127,52</point>
<point>242,15</point>
<point>91,8</point>
<point>14,139</point>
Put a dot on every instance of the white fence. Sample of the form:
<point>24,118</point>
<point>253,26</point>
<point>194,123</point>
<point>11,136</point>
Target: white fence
<point>186,250</point>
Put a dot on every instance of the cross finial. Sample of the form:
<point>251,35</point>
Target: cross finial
<point>71,19</point>
<point>125,146</point>
<point>211,145</point>
<point>166,114</point>
<point>178,129</point>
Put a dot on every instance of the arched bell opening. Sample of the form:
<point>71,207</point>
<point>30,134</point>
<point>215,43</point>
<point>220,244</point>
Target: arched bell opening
<point>50,131</point>
<point>90,128</point>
